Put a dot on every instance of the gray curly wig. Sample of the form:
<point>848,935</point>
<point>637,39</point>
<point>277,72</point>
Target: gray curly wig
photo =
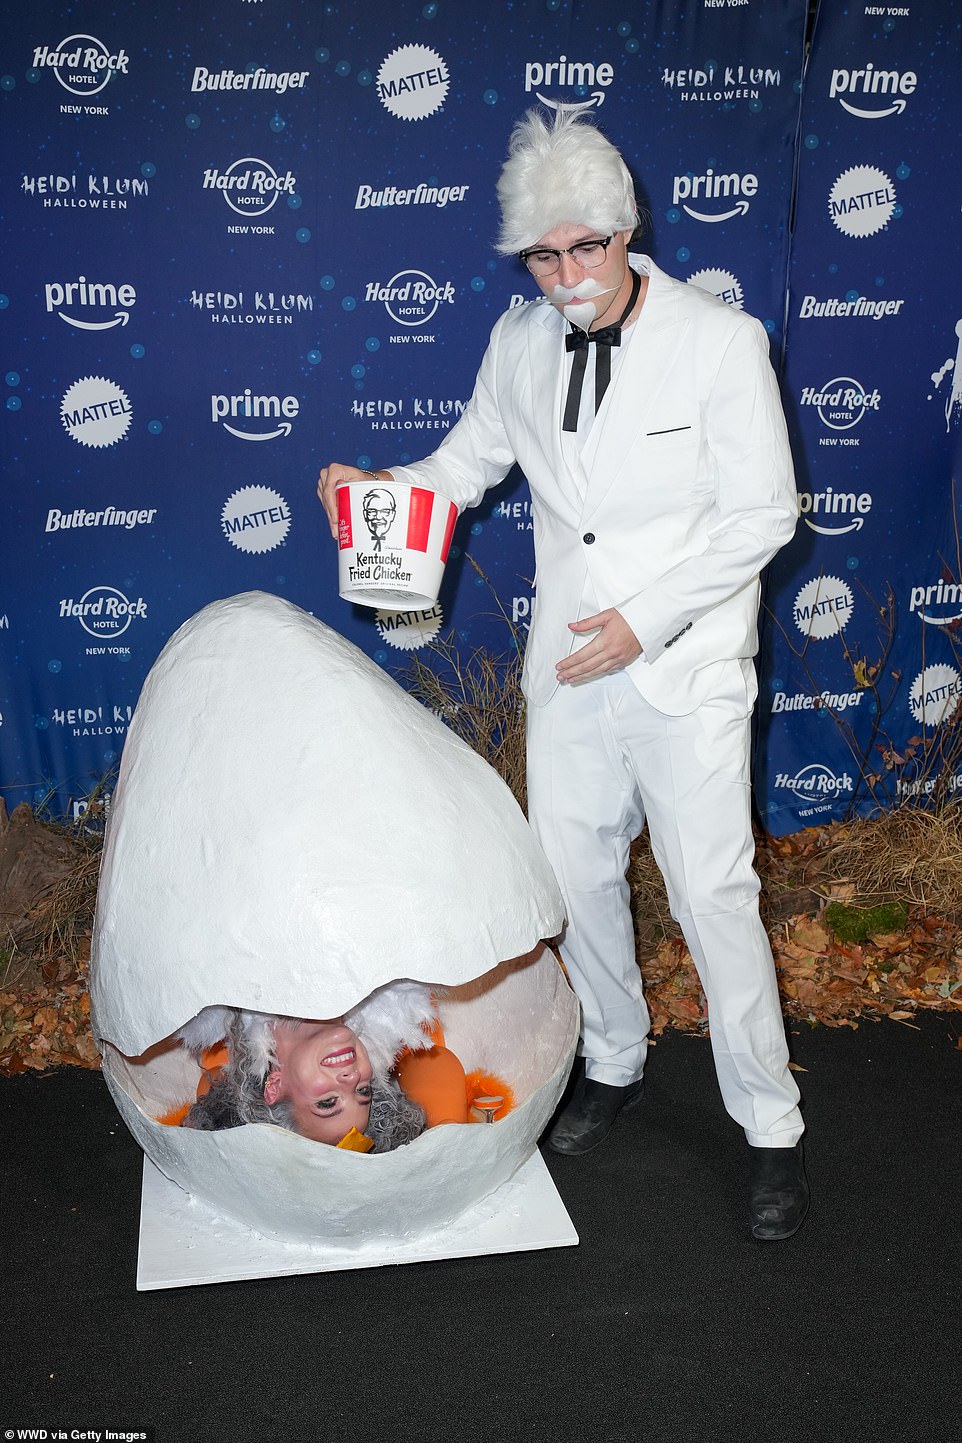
<point>236,1095</point>
<point>561,171</point>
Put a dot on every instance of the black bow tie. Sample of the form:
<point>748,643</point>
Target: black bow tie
<point>579,341</point>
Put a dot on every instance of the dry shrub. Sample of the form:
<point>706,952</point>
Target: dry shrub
<point>654,923</point>
<point>56,930</point>
<point>480,700</point>
<point>907,855</point>
<point>64,917</point>
<point>47,902</point>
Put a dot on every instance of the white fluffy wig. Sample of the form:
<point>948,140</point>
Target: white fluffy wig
<point>561,171</point>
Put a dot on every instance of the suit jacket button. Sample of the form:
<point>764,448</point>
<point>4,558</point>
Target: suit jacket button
<point>588,538</point>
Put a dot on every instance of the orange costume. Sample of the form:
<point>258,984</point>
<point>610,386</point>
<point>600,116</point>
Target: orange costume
<point>434,1078</point>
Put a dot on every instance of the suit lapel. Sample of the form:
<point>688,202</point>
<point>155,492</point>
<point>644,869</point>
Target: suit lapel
<point>547,369</point>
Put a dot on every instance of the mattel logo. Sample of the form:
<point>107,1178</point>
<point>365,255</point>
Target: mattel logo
<point>934,694</point>
<point>95,412</point>
<point>862,201</point>
<point>823,607</point>
<point>412,82</point>
<point>722,284</point>
<point>256,519</point>
<point>409,630</point>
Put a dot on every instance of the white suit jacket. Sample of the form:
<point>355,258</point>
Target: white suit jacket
<point>683,491</point>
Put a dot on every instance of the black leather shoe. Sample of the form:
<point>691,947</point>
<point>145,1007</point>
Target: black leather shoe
<point>588,1117</point>
<point>778,1195</point>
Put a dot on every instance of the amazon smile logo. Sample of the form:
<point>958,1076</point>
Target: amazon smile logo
<point>588,79</point>
<point>870,93</point>
<point>258,418</point>
<point>62,298</point>
<point>712,197</point>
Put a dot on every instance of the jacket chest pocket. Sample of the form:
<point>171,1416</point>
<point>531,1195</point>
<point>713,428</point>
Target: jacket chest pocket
<point>670,458</point>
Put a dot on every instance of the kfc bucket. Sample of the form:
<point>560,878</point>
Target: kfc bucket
<point>393,541</point>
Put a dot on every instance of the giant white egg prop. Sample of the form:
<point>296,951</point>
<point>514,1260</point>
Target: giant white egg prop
<point>290,831</point>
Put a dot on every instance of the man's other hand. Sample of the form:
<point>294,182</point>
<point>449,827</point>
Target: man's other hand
<point>615,647</point>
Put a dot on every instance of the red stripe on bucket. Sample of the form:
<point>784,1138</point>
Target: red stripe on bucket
<point>448,531</point>
<point>345,536</point>
<point>419,518</point>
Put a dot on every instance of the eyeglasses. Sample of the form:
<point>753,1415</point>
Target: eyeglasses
<point>589,254</point>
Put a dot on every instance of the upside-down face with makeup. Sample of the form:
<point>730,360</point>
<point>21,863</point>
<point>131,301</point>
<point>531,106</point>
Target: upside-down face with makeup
<point>312,1076</point>
<point>322,1070</point>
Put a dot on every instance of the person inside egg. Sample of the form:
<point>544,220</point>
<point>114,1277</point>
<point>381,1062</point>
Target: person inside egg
<point>318,1078</point>
<point>313,1077</point>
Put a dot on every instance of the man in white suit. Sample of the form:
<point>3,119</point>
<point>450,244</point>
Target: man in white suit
<point>646,417</point>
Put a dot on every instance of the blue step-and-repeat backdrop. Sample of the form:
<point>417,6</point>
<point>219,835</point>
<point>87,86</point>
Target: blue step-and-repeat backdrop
<point>245,238</point>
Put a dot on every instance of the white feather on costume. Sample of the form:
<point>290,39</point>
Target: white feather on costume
<point>393,1017</point>
<point>209,1026</point>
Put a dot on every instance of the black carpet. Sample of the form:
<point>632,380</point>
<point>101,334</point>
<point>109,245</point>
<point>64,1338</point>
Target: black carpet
<point>666,1324</point>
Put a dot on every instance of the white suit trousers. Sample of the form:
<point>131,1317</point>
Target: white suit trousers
<point>602,760</point>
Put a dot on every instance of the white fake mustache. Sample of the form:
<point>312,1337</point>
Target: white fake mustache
<point>584,311</point>
<point>586,289</point>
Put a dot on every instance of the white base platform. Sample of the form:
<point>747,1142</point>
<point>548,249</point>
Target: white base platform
<point>184,1243</point>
